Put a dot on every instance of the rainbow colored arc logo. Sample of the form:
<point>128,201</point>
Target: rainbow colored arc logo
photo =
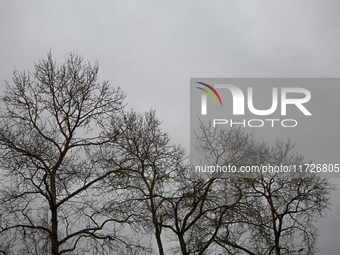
<point>207,91</point>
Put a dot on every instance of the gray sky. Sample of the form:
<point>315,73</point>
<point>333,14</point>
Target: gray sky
<point>152,49</point>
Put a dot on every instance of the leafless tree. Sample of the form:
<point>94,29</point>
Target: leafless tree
<point>51,121</point>
<point>196,209</point>
<point>148,161</point>
<point>277,212</point>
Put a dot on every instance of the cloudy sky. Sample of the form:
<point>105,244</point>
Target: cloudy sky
<point>152,48</point>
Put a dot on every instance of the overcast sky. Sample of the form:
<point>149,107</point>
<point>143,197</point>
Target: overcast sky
<point>152,49</point>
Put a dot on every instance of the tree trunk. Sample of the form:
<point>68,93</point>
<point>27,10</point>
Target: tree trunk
<point>159,241</point>
<point>54,219</point>
<point>183,245</point>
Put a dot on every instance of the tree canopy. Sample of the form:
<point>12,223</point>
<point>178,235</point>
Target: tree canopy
<point>82,175</point>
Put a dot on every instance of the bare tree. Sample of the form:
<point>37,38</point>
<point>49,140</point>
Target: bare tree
<point>197,207</point>
<point>51,121</point>
<point>148,161</point>
<point>288,204</point>
<point>277,212</point>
